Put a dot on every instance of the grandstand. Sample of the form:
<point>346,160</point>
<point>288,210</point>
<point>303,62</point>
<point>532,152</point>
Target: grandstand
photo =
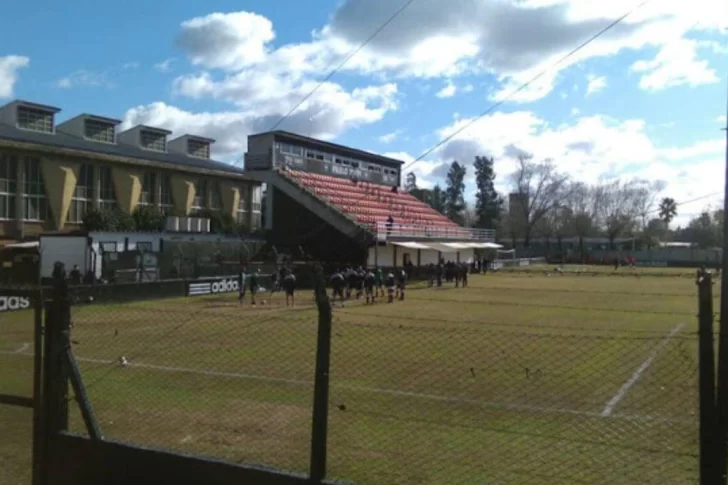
<point>343,204</point>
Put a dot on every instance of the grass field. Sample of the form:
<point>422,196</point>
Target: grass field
<point>524,377</point>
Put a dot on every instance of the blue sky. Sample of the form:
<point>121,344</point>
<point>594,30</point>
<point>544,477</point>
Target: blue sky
<point>226,69</point>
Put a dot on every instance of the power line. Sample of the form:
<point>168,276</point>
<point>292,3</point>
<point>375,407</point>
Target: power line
<point>346,59</point>
<point>528,83</point>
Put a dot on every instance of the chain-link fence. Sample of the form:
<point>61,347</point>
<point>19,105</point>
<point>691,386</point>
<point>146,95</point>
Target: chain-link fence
<point>514,379</point>
<point>16,383</point>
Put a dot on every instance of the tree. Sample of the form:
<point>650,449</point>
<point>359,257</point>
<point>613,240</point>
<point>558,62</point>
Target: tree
<point>645,198</point>
<point>437,199</point>
<point>618,209</point>
<point>538,188</point>
<point>488,203</point>
<point>470,216</point>
<point>411,182</point>
<point>582,203</point>
<point>455,192</point>
<point>668,209</point>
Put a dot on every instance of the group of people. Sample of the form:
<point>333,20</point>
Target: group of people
<point>449,271</point>
<point>355,283</point>
<point>283,280</point>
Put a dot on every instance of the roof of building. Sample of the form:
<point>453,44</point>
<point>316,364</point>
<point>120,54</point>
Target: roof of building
<point>327,144</point>
<point>65,140</point>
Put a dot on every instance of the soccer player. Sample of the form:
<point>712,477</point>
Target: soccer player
<point>401,283</point>
<point>456,274</point>
<point>241,284</point>
<point>389,282</point>
<point>253,285</point>
<point>360,276</point>
<point>369,286</point>
<point>465,270</point>
<point>350,282</point>
<point>337,284</point>
<point>379,282</point>
<point>289,285</point>
<point>440,270</point>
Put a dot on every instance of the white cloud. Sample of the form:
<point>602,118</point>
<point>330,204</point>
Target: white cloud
<point>9,67</point>
<point>390,137</point>
<point>595,84</point>
<point>675,64</point>
<point>131,65</point>
<point>226,40</point>
<point>448,91</point>
<point>85,78</point>
<point>165,65</point>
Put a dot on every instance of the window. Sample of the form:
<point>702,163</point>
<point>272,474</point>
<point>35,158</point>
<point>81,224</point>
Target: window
<point>83,194</point>
<point>153,141</point>
<point>296,150</point>
<point>255,220</point>
<point>99,131</point>
<point>256,198</point>
<point>199,149</point>
<point>35,204</point>
<point>241,214</point>
<point>35,119</point>
<point>107,195</point>
<point>215,200</point>
<point>198,202</point>
<point>8,186</point>
<point>166,205</point>
<point>147,195</point>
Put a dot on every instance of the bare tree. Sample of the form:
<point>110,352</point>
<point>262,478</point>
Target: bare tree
<point>582,203</point>
<point>646,194</point>
<point>618,208</point>
<point>538,189</point>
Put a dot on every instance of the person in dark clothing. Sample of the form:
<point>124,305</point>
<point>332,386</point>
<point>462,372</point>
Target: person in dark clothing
<point>390,283</point>
<point>369,287</point>
<point>241,284</point>
<point>456,274</point>
<point>431,275</point>
<point>401,283</point>
<point>465,275</point>
<point>337,284</point>
<point>289,286</point>
<point>351,278</point>
<point>440,270</point>
<point>360,276</point>
<point>75,275</point>
<point>253,285</point>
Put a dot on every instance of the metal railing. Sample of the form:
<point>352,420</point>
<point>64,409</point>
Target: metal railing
<point>384,231</point>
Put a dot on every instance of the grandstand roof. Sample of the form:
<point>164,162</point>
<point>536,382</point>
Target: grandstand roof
<point>334,147</point>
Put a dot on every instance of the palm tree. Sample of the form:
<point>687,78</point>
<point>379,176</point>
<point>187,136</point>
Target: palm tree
<point>668,209</point>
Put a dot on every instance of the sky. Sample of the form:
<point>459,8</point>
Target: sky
<point>647,100</point>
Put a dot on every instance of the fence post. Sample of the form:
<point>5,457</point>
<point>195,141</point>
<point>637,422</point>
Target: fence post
<point>55,380</point>
<point>709,459</point>
<point>38,416</point>
<point>722,393</point>
<point>319,427</point>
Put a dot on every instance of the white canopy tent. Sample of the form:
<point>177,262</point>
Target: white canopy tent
<point>395,252</point>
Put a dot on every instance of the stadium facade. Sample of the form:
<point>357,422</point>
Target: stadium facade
<point>341,204</point>
<point>51,174</point>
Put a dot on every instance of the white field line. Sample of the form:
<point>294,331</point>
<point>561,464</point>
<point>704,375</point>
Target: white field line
<point>23,348</point>
<point>612,403</point>
<point>391,392</point>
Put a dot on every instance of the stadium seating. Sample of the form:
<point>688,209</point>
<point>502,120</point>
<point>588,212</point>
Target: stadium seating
<point>372,204</point>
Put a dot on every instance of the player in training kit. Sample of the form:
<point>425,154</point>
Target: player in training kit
<point>465,270</point>
<point>401,283</point>
<point>369,286</point>
<point>253,285</point>
<point>379,282</point>
<point>337,284</point>
<point>289,286</point>
<point>351,278</point>
<point>390,283</point>
<point>241,284</point>
<point>360,275</point>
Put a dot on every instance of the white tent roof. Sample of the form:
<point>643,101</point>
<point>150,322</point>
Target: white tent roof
<point>448,247</point>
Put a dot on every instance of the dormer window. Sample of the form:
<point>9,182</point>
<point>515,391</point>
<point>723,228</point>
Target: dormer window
<point>35,119</point>
<point>153,141</point>
<point>198,149</point>
<point>99,131</point>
